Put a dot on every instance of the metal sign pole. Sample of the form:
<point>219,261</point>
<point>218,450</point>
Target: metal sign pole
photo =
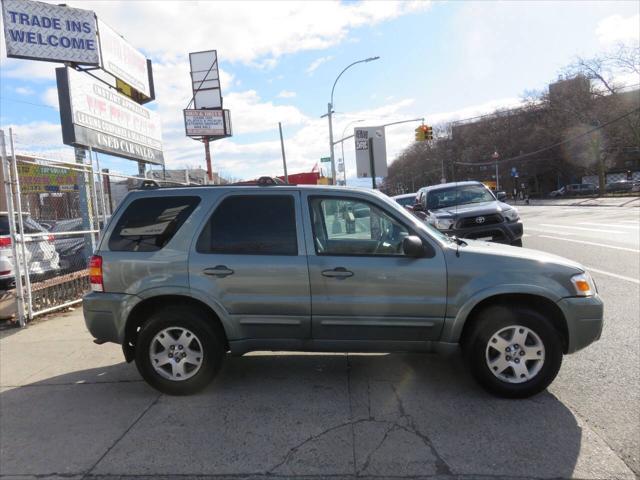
<point>207,156</point>
<point>8,190</point>
<point>23,248</point>
<point>372,164</point>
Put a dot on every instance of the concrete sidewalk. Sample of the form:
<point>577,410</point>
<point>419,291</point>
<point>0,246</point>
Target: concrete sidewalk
<point>73,409</point>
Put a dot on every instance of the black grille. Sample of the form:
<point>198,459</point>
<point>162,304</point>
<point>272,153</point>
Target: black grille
<point>469,222</point>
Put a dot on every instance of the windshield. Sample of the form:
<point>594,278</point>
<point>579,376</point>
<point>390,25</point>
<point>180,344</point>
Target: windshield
<point>460,195</point>
<point>406,201</point>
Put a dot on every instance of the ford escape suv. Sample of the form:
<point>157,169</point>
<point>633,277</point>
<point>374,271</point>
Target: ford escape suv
<point>183,277</point>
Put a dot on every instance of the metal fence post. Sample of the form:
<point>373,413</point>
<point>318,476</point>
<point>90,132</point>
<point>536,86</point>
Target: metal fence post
<point>23,248</point>
<point>101,188</point>
<point>6,171</point>
<point>85,201</point>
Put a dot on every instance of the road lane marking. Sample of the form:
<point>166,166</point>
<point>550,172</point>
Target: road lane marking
<point>614,275</point>
<point>550,231</point>
<point>609,225</point>
<point>599,230</point>
<point>590,243</point>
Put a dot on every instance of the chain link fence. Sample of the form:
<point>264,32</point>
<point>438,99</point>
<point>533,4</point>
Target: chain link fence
<point>50,221</point>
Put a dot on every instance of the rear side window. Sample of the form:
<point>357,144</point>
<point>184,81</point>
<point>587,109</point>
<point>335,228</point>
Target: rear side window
<point>148,224</point>
<point>251,225</point>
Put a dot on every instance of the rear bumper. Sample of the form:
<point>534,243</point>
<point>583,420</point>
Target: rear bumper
<point>506,232</point>
<point>584,316</point>
<point>105,314</point>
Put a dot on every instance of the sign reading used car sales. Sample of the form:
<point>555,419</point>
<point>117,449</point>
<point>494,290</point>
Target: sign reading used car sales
<point>44,31</point>
<point>94,115</point>
<point>202,123</point>
<point>122,60</point>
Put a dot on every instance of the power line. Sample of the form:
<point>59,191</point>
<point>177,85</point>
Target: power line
<point>550,147</point>
<point>6,99</point>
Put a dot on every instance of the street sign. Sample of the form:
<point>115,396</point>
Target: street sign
<point>363,163</point>
<point>325,159</point>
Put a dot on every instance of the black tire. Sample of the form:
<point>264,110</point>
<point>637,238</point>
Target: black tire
<point>517,243</point>
<point>194,320</point>
<point>495,318</point>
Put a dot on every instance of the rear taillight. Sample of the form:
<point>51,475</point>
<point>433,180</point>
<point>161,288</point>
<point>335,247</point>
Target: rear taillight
<point>51,238</point>
<point>95,273</point>
<point>5,242</point>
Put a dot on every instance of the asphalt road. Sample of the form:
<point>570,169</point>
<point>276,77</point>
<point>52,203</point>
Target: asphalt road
<point>71,409</point>
<point>601,384</point>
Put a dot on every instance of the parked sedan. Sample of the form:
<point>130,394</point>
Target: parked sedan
<point>406,199</point>
<point>576,189</point>
<point>623,186</point>
<point>42,258</point>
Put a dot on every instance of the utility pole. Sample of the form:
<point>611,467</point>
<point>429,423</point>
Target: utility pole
<point>333,162</point>
<point>284,158</point>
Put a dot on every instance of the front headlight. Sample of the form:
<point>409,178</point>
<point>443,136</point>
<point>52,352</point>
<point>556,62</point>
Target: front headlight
<point>443,223</point>
<point>511,215</point>
<point>583,284</point>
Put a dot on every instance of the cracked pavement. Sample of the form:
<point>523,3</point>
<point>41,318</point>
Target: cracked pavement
<point>71,409</point>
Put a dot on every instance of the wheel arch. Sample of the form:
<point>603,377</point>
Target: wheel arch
<point>141,312</point>
<point>537,301</point>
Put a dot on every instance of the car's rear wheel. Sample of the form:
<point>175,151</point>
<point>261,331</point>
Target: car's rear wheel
<point>177,351</point>
<point>513,352</point>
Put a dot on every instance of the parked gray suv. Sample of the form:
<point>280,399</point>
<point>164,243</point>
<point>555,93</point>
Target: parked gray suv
<point>184,276</point>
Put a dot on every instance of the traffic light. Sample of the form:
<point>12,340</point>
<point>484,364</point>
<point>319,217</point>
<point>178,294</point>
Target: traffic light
<point>428,132</point>
<point>424,132</point>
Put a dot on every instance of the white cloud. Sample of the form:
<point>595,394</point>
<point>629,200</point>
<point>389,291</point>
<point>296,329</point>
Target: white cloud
<point>242,31</point>
<point>616,28</point>
<point>313,66</point>
<point>50,97</point>
<point>24,91</point>
<point>286,94</point>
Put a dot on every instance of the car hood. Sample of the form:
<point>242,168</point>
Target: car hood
<point>507,254</point>
<point>483,208</point>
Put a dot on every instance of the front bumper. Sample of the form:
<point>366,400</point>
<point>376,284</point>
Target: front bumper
<point>505,232</point>
<point>105,314</point>
<point>584,317</point>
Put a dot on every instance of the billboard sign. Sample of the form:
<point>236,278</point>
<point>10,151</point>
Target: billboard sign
<point>205,79</point>
<point>44,31</point>
<point>204,123</point>
<point>43,179</point>
<point>94,115</point>
<point>363,163</point>
<point>123,61</point>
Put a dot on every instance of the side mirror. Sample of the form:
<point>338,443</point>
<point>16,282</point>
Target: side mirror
<point>412,246</point>
<point>418,207</point>
<point>501,196</point>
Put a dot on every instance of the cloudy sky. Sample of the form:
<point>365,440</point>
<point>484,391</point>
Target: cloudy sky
<point>278,60</point>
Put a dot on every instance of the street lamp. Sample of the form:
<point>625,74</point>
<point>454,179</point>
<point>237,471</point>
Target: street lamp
<point>330,113</point>
<point>495,157</point>
<point>344,167</point>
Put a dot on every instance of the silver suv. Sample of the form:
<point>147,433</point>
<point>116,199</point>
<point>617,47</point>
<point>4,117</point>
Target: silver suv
<point>184,276</point>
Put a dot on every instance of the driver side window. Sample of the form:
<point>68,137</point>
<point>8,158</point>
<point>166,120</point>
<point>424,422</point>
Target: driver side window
<point>345,226</point>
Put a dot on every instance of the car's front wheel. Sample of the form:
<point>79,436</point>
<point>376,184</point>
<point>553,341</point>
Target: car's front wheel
<point>513,352</point>
<point>177,351</point>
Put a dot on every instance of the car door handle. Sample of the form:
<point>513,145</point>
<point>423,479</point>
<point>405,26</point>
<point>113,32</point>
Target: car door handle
<point>338,272</point>
<point>219,271</point>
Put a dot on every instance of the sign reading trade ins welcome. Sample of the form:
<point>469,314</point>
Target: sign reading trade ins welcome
<point>94,115</point>
<point>42,31</point>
